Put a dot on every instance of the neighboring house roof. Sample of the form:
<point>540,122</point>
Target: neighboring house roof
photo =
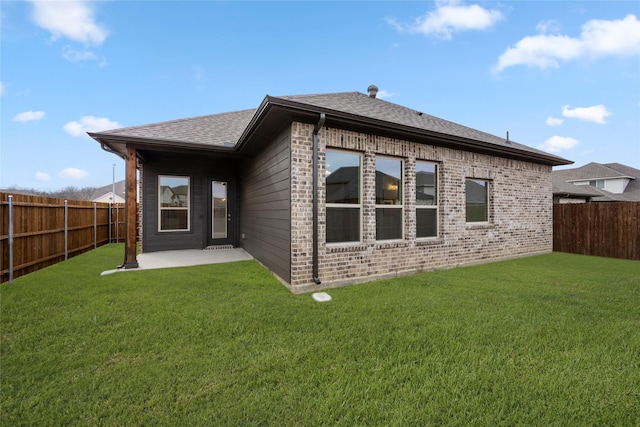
<point>242,131</point>
<point>563,179</point>
<point>425,179</point>
<point>592,171</point>
<point>120,188</point>
<point>342,186</point>
<point>475,192</point>
<point>565,189</point>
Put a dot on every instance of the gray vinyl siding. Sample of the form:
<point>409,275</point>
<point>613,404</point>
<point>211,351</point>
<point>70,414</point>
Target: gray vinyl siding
<point>265,206</point>
<point>199,169</point>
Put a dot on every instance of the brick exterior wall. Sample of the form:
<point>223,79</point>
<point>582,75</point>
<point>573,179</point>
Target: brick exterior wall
<point>520,211</point>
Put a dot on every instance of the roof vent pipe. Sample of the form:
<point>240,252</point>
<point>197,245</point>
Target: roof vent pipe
<point>373,91</point>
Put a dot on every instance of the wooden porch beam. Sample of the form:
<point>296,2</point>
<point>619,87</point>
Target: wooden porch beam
<point>130,260</point>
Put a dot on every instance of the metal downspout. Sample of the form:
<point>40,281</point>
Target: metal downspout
<point>316,129</point>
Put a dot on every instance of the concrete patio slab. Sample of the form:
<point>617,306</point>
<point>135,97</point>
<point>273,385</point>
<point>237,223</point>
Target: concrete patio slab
<point>185,258</point>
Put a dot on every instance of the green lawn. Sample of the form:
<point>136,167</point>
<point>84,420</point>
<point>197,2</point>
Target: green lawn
<point>546,340</point>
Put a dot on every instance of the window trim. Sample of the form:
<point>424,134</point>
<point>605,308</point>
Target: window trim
<point>174,208</point>
<point>436,206</point>
<point>359,206</point>
<point>487,201</point>
<point>400,206</point>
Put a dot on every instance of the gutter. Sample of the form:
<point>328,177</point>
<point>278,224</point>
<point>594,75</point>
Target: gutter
<point>316,129</point>
<point>108,149</point>
<point>105,140</point>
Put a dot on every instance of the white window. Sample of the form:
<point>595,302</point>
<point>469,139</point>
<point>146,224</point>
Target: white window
<point>597,183</point>
<point>426,199</point>
<point>343,196</point>
<point>477,197</point>
<point>173,203</point>
<point>389,186</point>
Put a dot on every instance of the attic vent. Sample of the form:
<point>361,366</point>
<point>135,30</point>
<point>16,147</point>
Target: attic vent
<point>373,91</point>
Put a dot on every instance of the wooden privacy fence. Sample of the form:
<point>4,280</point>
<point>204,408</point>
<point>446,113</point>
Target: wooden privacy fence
<point>41,231</point>
<point>608,229</point>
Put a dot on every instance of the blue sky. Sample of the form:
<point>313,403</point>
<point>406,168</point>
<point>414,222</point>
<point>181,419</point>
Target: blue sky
<point>562,76</point>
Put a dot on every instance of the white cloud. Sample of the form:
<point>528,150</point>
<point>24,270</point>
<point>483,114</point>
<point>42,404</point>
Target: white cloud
<point>450,17</point>
<point>598,39</point>
<point>620,37</point>
<point>382,94</point>
<point>41,176</point>
<point>73,55</point>
<point>550,26</point>
<point>555,144</point>
<point>71,19</point>
<point>73,173</point>
<point>1,88</point>
<point>28,116</point>
<point>90,124</point>
<point>553,121</point>
<point>596,114</point>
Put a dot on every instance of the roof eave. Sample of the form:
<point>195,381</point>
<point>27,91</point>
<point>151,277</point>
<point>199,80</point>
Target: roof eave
<point>114,143</point>
<point>594,178</point>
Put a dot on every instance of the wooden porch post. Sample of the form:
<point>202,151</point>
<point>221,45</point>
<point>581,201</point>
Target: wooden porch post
<point>130,260</point>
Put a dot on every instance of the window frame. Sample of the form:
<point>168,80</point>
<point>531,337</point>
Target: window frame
<point>487,188</point>
<point>186,208</point>
<point>358,206</point>
<point>436,205</point>
<point>597,183</point>
<point>400,198</point>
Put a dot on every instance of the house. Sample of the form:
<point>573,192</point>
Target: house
<point>105,194</point>
<point>566,192</point>
<point>595,182</point>
<point>332,189</point>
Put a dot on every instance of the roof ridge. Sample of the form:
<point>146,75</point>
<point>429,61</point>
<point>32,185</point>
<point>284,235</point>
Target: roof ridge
<point>419,113</point>
<point>585,172</point>
<point>615,166</point>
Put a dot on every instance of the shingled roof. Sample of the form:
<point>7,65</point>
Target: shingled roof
<point>562,188</point>
<point>563,181</point>
<point>230,131</point>
<point>358,104</point>
<point>594,170</point>
<point>216,129</point>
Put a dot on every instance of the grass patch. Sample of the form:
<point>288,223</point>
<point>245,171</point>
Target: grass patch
<point>546,340</point>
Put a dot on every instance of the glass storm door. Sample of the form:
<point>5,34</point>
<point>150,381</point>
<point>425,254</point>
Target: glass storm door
<point>221,231</point>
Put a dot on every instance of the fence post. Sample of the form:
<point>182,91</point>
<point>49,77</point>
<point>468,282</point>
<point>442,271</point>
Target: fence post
<point>10,239</point>
<point>95,226</point>
<point>110,222</point>
<point>66,230</point>
<point>117,223</point>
